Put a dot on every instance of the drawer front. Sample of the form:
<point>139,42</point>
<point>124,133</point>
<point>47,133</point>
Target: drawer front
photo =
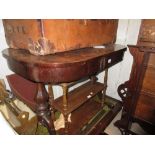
<point>113,59</point>
<point>145,109</point>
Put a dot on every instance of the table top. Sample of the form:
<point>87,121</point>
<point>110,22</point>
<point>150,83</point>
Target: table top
<point>60,67</point>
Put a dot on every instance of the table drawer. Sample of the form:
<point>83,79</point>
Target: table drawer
<point>113,59</point>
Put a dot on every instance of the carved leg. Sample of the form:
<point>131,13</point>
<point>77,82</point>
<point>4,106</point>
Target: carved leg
<point>124,124</point>
<point>42,108</point>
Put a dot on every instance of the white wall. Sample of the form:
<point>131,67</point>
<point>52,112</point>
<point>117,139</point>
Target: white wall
<point>127,34</point>
<point>4,70</point>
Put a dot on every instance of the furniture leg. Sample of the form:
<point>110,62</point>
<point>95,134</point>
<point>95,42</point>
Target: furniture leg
<point>42,108</point>
<point>51,100</point>
<point>65,105</point>
<point>105,83</point>
<point>66,124</point>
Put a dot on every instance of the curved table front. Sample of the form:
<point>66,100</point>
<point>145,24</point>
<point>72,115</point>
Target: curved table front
<point>63,67</point>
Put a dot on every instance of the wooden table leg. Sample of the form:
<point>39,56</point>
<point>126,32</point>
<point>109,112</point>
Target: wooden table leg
<point>105,83</point>
<point>51,100</point>
<point>65,104</point>
<point>43,109</point>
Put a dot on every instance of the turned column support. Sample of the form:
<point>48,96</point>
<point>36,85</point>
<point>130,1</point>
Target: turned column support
<point>42,108</point>
<point>51,100</point>
<point>105,83</point>
<point>65,105</point>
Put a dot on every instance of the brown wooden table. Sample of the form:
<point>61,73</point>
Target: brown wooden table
<point>61,68</point>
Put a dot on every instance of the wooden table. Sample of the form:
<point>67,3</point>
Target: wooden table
<point>62,68</point>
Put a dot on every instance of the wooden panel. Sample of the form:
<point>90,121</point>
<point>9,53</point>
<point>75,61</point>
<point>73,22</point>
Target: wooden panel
<point>23,89</point>
<point>49,36</point>
<point>80,33</point>
<point>151,61</point>
<point>78,96</point>
<point>147,33</point>
<point>17,32</point>
<point>149,81</point>
<point>145,109</point>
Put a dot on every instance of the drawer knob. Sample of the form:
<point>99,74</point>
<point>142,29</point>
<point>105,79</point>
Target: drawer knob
<point>109,61</point>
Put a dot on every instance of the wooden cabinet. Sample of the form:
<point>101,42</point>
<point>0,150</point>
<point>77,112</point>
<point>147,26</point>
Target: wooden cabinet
<point>145,108</point>
<point>138,94</point>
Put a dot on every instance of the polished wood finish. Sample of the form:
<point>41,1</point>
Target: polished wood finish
<point>22,88</point>
<point>69,56</point>
<point>63,67</point>
<point>138,94</point>
<point>49,36</point>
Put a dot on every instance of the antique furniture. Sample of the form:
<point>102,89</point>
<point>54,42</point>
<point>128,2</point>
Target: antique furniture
<point>48,36</point>
<point>69,57</point>
<point>65,69</point>
<point>138,94</point>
